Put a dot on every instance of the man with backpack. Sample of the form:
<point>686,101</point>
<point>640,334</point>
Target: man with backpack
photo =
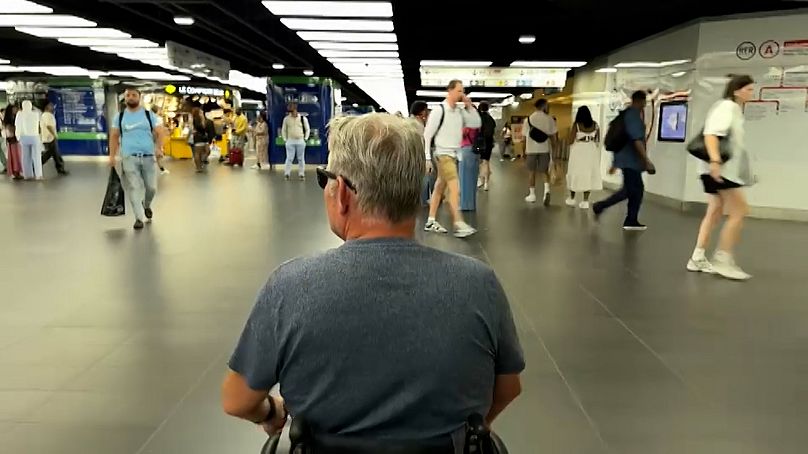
<point>626,139</point>
<point>445,127</point>
<point>138,137</point>
<point>540,140</point>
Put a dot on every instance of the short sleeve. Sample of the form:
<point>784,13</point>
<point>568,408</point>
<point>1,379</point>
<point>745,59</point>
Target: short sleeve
<point>154,120</point>
<point>116,123</point>
<point>256,356</point>
<point>510,358</point>
<point>553,129</point>
<point>719,119</point>
<point>634,125</point>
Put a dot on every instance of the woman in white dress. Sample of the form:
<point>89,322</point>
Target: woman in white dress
<point>583,174</point>
<point>724,181</point>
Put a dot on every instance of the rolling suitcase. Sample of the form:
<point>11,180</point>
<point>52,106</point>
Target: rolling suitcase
<point>236,157</point>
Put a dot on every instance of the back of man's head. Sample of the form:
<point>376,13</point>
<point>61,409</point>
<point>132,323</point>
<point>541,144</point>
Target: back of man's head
<point>541,104</point>
<point>484,106</point>
<point>383,156</point>
<point>418,108</point>
<point>639,97</point>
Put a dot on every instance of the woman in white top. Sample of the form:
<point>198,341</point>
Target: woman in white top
<point>724,181</point>
<point>583,174</point>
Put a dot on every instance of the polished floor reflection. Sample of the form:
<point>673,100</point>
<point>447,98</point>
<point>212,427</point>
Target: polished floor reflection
<point>114,341</point>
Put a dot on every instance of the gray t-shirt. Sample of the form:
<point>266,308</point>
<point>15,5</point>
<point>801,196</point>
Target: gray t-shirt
<point>385,339</point>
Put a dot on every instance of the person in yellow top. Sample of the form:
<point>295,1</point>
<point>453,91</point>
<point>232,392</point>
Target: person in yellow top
<point>240,126</point>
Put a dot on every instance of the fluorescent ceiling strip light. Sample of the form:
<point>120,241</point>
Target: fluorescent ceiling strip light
<point>319,45</point>
<point>349,37</point>
<point>365,61</point>
<point>679,74</point>
<point>638,64</point>
<point>9,69</point>
<point>24,7</point>
<point>156,75</point>
<point>116,43</point>
<point>456,63</point>
<point>43,20</point>
<point>527,39</point>
<point>330,8</point>
<point>358,54</point>
<point>68,32</point>
<point>606,70</point>
<point>547,64</point>
<point>57,70</point>
<point>278,66</point>
<point>526,96</point>
<point>338,24</point>
<point>431,93</point>
<point>184,20</point>
<point>134,52</point>
<point>3,61</point>
<point>673,63</point>
<point>485,94</point>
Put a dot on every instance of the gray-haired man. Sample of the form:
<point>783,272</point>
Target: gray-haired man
<point>379,344</point>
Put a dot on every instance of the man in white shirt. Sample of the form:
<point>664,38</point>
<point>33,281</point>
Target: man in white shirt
<point>47,130</point>
<point>295,132</point>
<point>541,138</point>
<point>444,131</point>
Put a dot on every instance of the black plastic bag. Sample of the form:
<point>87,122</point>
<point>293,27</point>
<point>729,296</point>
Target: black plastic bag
<point>113,200</point>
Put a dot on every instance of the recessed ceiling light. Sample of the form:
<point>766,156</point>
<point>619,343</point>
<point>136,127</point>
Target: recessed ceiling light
<point>456,63</point>
<point>43,20</point>
<point>308,72</point>
<point>70,32</point>
<point>24,7</point>
<point>350,81</point>
<point>184,20</point>
<point>354,105</point>
<point>349,37</point>
<point>527,39</point>
<point>330,8</point>
<point>119,43</point>
<point>547,64</point>
<point>606,70</point>
<point>526,95</point>
<point>278,66</point>
<point>338,24</point>
<point>353,46</point>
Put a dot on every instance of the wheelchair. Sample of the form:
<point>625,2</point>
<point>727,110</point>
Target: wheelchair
<point>479,440</point>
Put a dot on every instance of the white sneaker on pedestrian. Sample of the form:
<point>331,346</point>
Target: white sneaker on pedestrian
<point>255,167</point>
<point>724,265</point>
<point>434,227</point>
<point>463,230</point>
<point>165,172</point>
<point>479,183</point>
<point>485,186</point>
<point>531,198</point>
<point>700,266</point>
<point>570,202</point>
<point>584,205</point>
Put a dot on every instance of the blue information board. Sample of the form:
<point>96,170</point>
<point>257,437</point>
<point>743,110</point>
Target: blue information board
<point>80,121</point>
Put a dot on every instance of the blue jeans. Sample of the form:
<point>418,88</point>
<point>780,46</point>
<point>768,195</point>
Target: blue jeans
<point>295,148</point>
<point>140,183</point>
<point>468,170</point>
<point>633,190</point>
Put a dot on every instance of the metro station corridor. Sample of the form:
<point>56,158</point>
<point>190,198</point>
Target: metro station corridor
<point>115,341</point>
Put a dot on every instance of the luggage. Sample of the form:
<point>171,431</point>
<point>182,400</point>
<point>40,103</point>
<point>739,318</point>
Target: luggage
<point>235,157</point>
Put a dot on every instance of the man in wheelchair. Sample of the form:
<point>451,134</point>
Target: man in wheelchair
<point>381,345</point>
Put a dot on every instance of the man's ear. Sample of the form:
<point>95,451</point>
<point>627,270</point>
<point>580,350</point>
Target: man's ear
<point>344,194</point>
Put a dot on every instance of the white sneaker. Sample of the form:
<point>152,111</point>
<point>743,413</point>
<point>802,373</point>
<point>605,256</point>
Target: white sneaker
<point>726,267</point>
<point>570,202</point>
<point>485,186</point>
<point>463,230</point>
<point>584,205</point>
<point>165,172</point>
<point>479,183</point>
<point>434,227</point>
<point>531,198</point>
<point>701,266</point>
<point>255,167</point>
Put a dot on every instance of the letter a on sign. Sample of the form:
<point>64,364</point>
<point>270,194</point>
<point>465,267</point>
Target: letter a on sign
<point>769,49</point>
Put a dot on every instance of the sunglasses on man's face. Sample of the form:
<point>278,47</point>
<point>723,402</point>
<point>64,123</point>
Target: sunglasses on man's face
<point>324,175</point>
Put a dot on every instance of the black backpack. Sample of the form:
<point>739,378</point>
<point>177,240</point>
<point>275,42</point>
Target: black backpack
<point>617,137</point>
<point>536,134</point>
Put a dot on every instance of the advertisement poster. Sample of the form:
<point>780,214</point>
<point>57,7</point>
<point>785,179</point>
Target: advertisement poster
<point>80,122</point>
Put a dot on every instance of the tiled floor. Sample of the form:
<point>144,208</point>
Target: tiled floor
<point>113,341</point>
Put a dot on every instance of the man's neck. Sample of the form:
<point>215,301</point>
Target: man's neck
<point>132,109</point>
<point>451,102</point>
<point>374,230</point>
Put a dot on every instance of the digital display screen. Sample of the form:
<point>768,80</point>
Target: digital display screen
<point>673,122</point>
